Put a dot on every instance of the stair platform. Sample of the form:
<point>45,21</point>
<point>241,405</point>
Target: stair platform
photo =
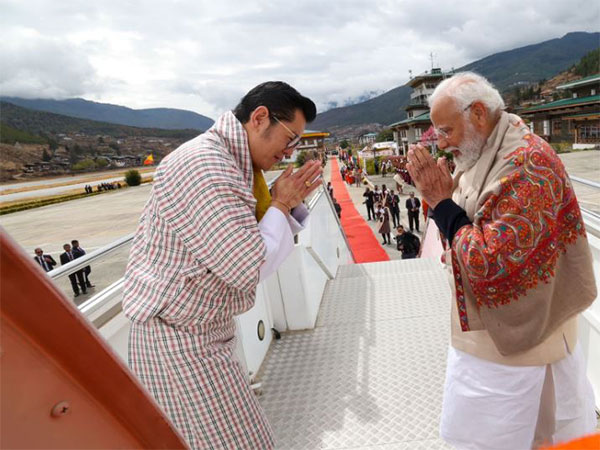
<point>371,374</point>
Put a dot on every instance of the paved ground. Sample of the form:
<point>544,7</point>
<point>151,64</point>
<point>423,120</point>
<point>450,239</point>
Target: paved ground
<point>585,165</point>
<point>49,181</point>
<point>51,191</point>
<point>94,221</point>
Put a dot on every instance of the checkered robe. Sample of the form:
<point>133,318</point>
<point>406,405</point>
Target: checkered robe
<point>194,264</point>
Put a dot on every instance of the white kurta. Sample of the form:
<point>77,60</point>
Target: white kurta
<point>495,406</point>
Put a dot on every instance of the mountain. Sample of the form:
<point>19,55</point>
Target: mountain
<point>384,109</point>
<point>40,123</point>
<point>535,62</point>
<point>166,118</point>
<point>522,65</point>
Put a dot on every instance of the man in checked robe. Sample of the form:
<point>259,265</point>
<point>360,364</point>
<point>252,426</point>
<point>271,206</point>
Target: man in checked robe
<point>209,233</point>
<point>520,269</point>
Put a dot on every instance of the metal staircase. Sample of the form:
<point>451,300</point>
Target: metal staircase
<point>371,373</point>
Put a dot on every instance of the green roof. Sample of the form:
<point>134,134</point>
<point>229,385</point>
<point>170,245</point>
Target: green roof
<point>595,113</point>
<point>424,76</point>
<point>421,118</point>
<point>586,80</point>
<point>563,103</point>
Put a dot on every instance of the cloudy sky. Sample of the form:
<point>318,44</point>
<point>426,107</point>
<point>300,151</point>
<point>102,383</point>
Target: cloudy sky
<point>204,55</point>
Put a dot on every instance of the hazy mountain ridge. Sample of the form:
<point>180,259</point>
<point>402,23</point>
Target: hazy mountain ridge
<point>41,123</point>
<point>166,118</point>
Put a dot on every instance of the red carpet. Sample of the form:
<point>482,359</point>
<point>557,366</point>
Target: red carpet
<point>363,243</point>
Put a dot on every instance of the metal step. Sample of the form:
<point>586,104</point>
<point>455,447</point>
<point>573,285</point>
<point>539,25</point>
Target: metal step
<point>387,267</point>
<point>371,373</point>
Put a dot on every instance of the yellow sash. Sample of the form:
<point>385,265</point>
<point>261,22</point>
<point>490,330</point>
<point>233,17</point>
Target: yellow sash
<point>261,194</point>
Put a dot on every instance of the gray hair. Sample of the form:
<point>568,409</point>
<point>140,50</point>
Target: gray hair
<point>466,88</point>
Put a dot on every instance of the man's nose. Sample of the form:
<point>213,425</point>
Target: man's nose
<point>288,151</point>
<point>442,143</point>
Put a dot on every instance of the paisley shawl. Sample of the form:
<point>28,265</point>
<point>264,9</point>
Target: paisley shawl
<point>526,219</point>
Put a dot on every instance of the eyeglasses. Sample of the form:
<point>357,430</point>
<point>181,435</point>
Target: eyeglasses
<point>445,133</point>
<point>295,140</point>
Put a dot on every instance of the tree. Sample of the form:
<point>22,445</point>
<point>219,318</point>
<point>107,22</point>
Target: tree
<point>52,144</point>
<point>73,155</point>
<point>101,162</point>
<point>46,156</point>
<point>133,178</point>
<point>385,135</point>
<point>300,158</point>
<point>344,144</point>
<point>86,164</point>
<point>589,64</point>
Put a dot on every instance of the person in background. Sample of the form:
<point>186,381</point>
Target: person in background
<point>357,176</point>
<point>377,194</point>
<point>383,168</point>
<point>407,243</point>
<point>399,183</point>
<point>393,203</point>
<point>521,271</point>
<point>369,202</point>
<point>376,166</point>
<point>78,252</point>
<point>412,206</point>
<point>330,189</point>
<point>383,223</point>
<point>76,279</point>
<point>337,206</point>
<point>46,261</point>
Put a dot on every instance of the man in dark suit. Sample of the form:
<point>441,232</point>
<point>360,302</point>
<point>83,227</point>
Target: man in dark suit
<point>77,277</point>
<point>46,261</point>
<point>413,205</point>
<point>407,243</point>
<point>393,203</point>
<point>78,252</point>
<point>370,202</point>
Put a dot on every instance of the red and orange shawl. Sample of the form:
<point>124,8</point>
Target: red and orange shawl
<point>525,258</point>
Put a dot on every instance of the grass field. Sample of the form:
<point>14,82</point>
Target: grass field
<point>88,179</point>
<point>37,202</point>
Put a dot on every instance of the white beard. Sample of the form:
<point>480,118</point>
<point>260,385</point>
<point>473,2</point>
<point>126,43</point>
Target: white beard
<point>470,148</point>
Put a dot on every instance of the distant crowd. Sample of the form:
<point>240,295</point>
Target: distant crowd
<point>383,206</point>
<point>80,281</point>
<point>102,187</point>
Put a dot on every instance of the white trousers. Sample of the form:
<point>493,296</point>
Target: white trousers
<point>493,406</point>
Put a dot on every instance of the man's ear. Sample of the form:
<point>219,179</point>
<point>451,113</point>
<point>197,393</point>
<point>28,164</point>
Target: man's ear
<point>479,114</point>
<point>259,118</point>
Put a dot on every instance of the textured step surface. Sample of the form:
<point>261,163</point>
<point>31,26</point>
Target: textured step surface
<point>371,374</point>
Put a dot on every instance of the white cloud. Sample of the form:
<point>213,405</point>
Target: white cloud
<point>204,55</point>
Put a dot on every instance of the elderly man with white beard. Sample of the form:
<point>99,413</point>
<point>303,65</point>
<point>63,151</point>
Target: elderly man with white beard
<point>517,252</point>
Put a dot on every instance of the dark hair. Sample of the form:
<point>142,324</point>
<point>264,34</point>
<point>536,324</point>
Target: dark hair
<point>74,241</point>
<point>280,99</point>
